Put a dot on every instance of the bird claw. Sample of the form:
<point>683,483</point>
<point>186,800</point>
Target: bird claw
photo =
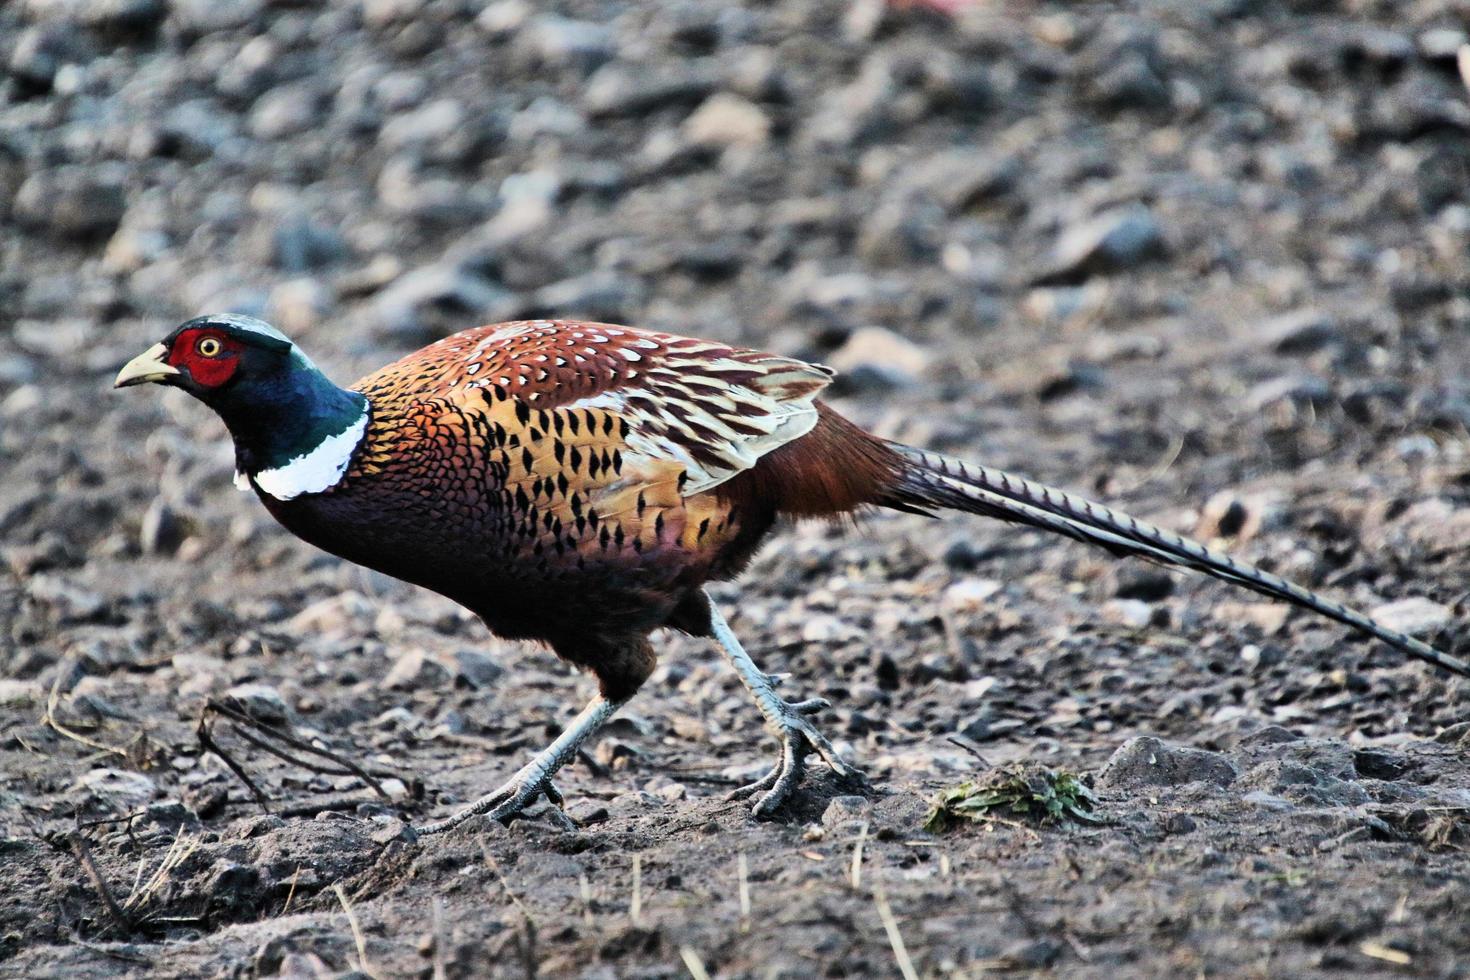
<point>798,737</point>
<point>509,801</point>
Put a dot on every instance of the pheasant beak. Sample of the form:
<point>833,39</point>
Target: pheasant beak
<point>147,366</point>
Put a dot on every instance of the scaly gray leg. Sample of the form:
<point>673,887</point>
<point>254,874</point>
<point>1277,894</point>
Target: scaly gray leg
<point>534,778</point>
<point>787,720</point>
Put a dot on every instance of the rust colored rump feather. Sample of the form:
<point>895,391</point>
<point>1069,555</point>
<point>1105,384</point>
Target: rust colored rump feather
<point>833,470</point>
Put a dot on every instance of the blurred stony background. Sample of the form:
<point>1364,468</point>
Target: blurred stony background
<point>1204,259</point>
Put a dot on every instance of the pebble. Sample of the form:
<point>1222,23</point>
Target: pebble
<point>162,531</point>
<point>876,358</point>
<point>1147,761</point>
<point>262,703</point>
<point>417,670</point>
<point>1114,241</point>
<point>1415,615</point>
<point>1298,332</point>
<point>728,120</point>
<point>120,790</point>
<point>476,669</point>
<point>73,202</point>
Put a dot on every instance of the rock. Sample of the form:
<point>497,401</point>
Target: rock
<point>1228,515</point>
<point>161,532</point>
<point>969,594</point>
<point>69,602</point>
<point>197,17</point>
<point>475,669</point>
<point>1114,241</point>
<point>1416,616</point>
<point>555,41</point>
<point>432,122</point>
<point>20,694</point>
<point>1268,801</point>
<point>844,810</point>
<point>1298,332</point>
<point>72,202</point>
<point>417,670</point>
<point>42,51</point>
<point>1147,761</point>
<point>1129,83</point>
<point>301,245</point>
<point>261,702</point>
<point>728,120</point>
<point>1303,784</point>
<point>963,179</point>
<point>1146,584</point>
<point>298,305</point>
<point>349,612</point>
<point>599,295</point>
<point>876,357</point>
<point>436,300</point>
<point>118,790</point>
<point>123,17</point>
<point>624,89</point>
<point>1130,613</point>
<point>286,111</point>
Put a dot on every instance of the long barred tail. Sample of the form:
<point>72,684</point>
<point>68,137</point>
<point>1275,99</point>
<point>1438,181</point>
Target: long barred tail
<point>931,479</point>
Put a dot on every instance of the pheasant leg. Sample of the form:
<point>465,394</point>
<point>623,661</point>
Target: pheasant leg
<point>534,778</point>
<point>787,719</point>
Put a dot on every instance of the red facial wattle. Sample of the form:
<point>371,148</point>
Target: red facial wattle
<point>209,371</point>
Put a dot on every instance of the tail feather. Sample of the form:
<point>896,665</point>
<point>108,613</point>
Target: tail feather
<point>934,480</point>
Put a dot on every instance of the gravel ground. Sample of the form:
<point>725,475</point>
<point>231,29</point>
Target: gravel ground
<point>1205,260</point>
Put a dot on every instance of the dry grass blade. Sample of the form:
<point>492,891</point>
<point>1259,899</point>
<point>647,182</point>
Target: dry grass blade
<point>895,938</point>
<point>357,937</point>
<point>635,910</point>
<point>178,852</point>
<point>693,963</point>
<point>743,871</point>
<point>494,866</point>
<point>49,718</point>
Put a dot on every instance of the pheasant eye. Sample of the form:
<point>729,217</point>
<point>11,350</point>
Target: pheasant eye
<point>209,347</point>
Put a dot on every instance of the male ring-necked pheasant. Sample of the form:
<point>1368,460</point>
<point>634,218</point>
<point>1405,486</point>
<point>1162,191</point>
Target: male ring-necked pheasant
<point>579,483</point>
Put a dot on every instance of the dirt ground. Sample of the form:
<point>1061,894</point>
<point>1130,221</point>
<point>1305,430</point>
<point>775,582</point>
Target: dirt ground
<point>1203,260</point>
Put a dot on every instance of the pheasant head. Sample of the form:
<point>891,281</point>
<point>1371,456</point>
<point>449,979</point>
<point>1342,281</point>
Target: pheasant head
<point>294,430</point>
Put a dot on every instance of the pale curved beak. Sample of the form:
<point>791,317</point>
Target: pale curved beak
<point>147,366</point>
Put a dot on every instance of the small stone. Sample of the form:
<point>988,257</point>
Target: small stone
<point>161,532</point>
<point>1148,761</point>
<point>74,202</point>
<point>1129,613</point>
<point>1146,584</point>
<point>1114,241</point>
<point>969,594</point>
<point>1227,515</point>
<point>1298,332</point>
<point>1268,801</point>
<point>434,300</point>
<point>876,356</point>
<point>845,810</point>
<point>20,694</point>
<point>301,245</point>
<point>121,791</point>
<point>556,41</point>
<point>349,612</point>
<point>1179,823</point>
<point>600,295</point>
<point>624,89</point>
<point>286,111</point>
<point>1416,616</point>
<point>68,601</point>
<point>430,123</point>
<point>260,702</point>
<point>416,670</point>
<point>475,669</point>
<point>824,628</point>
<point>728,120</point>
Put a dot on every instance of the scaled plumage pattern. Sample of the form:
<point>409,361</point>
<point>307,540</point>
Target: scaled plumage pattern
<point>580,483</point>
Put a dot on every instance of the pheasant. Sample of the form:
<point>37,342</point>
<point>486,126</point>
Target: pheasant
<point>580,483</point>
